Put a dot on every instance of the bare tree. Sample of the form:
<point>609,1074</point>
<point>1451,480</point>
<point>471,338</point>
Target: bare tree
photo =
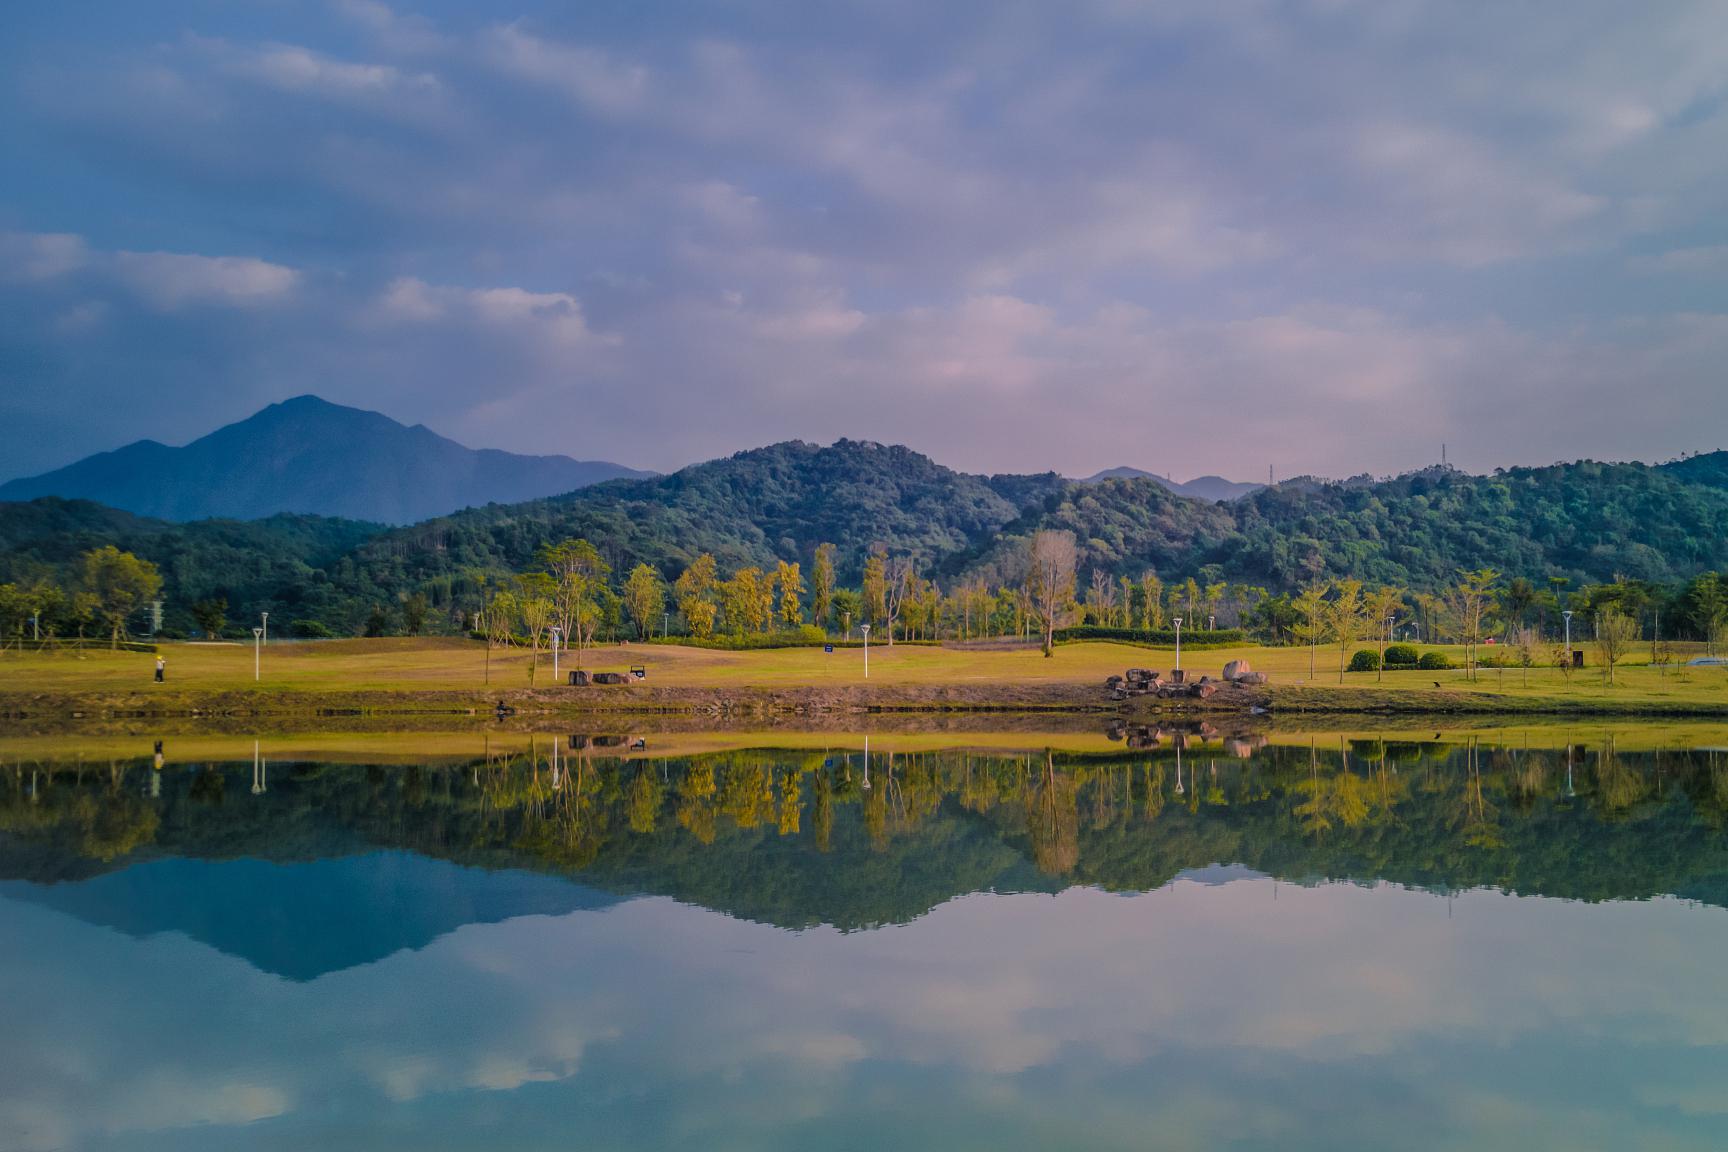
<point>1051,558</point>
<point>1615,632</point>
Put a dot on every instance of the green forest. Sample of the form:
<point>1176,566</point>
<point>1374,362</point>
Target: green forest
<point>953,544</point>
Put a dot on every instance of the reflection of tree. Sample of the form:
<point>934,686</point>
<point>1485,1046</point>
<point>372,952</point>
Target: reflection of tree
<point>645,795</point>
<point>1053,820</point>
<point>729,829</point>
<point>1618,786</point>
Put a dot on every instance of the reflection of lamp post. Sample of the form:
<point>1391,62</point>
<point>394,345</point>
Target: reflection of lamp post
<point>1178,769</point>
<point>257,643</point>
<point>1178,622</point>
<point>556,633</point>
<point>865,628</point>
<point>258,766</point>
<point>866,741</point>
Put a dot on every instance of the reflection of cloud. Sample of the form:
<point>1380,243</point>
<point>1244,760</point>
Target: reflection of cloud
<point>1219,1010</point>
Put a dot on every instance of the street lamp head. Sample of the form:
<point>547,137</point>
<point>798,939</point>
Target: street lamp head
<point>1178,621</point>
<point>864,628</point>
<point>1567,614</point>
<point>257,632</point>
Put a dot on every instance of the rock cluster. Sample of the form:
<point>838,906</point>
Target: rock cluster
<point>1146,682</point>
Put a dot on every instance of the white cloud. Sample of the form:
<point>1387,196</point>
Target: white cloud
<point>33,257</point>
<point>171,280</point>
<point>595,79</point>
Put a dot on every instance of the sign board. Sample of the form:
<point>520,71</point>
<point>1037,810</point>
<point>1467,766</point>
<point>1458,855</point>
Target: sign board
<point>828,648</point>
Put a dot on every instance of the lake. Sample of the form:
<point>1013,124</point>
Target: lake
<point>1124,940</point>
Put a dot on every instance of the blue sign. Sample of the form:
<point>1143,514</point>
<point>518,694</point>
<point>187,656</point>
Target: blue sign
<point>828,648</point>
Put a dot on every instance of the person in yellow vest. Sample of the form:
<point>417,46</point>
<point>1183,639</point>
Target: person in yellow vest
<point>161,669</point>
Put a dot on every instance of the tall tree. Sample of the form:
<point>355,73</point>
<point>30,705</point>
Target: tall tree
<point>1310,623</point>
<point>1615,632</point>
<point>1345,616</point>
<point>1470,602</point>
<point>644,598</point>
<point>1151,601</point>
<point>790,583</point>
<point>875,586</point>
<point>579,572</point>
<point>1051,558</point>
<point>822,585</point>
<point>121,583</point>
<point>695,591</point>
<point>538,611</point>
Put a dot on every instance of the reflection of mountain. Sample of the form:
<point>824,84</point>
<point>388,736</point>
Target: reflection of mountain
<point>302,920</point>
<point>796,839</point>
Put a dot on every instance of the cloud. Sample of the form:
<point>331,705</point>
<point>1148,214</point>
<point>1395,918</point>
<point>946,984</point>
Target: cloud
<point>884,220</point>
<point>49,256</point>
<point>594,79</point>
<point>173,280</point>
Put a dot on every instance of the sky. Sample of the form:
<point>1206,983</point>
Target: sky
<point>1316,236</point>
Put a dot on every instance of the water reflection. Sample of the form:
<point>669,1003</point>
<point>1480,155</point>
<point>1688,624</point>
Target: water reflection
<point>1023,949</point>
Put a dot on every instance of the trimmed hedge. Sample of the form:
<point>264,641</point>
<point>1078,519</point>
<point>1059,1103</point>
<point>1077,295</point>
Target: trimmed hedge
<point>808,636</point>
<point>1402,656</point>
<point>1434,662</point>
<point>1157,637</point>
<point>1365,660</point>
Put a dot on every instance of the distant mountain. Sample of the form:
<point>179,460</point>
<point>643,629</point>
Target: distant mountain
<point>1213,488</point>
<point>307,455</point>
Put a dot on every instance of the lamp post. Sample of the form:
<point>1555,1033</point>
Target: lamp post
<point>1211,623</point>
<point>556,633</point>
<point>865,628</point>
<point>264,631</point>
<point>1178,622</point>
<point>257,644</point>
<point>1568,616</point>
<point>665,624</point>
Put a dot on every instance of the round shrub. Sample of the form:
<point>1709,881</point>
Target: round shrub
<point>1402,656</point>
<point>1365,660</point>
<point>1434,662</point>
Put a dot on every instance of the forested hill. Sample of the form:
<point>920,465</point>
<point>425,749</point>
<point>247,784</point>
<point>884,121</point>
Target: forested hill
<point>1587,522</point>
<point>755,507</point>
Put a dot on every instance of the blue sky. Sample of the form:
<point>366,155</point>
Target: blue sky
<point>1324,235</point>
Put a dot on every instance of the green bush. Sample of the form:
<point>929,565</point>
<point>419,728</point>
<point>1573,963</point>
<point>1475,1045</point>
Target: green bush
<point>1365,660</point>
<point>1434,662</point>
<point>1162,637</point>
<point>808,636</point>
<point>311,630</point>
<point>1402,656</point>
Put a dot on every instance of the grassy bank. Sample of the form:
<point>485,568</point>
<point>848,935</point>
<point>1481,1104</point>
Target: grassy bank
<point>452,676</point>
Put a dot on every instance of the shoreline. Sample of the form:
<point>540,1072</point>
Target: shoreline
<point>748,702</point>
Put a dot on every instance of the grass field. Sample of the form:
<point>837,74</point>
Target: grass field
<point>408,665</point>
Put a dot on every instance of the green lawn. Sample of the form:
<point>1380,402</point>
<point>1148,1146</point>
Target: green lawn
<point>448,664</point>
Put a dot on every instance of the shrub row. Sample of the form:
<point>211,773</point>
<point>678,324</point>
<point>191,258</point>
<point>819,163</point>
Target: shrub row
<point>1160,637</point>
<point>1368,660</point>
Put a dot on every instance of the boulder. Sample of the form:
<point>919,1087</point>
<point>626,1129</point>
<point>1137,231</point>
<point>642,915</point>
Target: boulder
<point>609,678</point>
<point>1205,690</point>
<point>1251,679</point>
<point>1236,669</point>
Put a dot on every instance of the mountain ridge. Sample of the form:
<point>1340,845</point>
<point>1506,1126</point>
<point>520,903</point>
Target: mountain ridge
<point>306,455</point>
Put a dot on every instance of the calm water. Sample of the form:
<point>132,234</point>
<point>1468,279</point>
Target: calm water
<point>1326,945</point>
